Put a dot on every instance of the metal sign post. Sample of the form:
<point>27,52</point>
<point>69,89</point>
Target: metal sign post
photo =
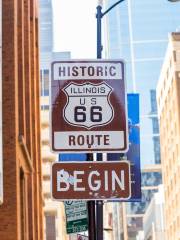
<point>91,211</point>
<point>99,16</point>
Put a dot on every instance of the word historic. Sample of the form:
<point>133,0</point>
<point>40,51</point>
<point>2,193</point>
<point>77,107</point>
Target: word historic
<point>82,70</point>
<point>87,71</point>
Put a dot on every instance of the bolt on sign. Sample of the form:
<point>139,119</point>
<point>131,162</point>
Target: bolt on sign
<point>91,180</point>
<point>76,216</point>
<point>88,106</point>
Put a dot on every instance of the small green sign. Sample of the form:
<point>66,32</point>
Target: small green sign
<point>76,216</point>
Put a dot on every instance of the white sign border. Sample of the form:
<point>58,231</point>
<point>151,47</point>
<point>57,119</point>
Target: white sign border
<point>126,112</point>
<point>94,199</point>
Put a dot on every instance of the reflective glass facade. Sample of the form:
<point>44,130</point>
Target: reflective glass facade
<point>46,26</point>
<point>138,32</point>
<point>47,55</point>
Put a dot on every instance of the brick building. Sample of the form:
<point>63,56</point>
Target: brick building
<point>21,212</point>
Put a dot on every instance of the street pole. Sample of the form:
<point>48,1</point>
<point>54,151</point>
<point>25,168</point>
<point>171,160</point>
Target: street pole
<point>91,220</point>
<point>174,0</point>
<point>91,212</point>
<point>99,204</point>
<point>99,17</point>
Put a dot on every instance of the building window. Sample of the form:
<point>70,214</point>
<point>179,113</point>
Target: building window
<point>45,107</point>
<point>157,156</point>
<point>23,205</point>
<point>155,125</point>
<point>167,73</point>
<point>153,101</point>
<point>50,227</point>
<point>110,220</point>
<point>41,82</point>
<point>44,76</point>
<point>174,56</point>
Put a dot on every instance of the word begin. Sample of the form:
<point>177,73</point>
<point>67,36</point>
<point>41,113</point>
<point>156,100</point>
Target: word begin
<point>111,180</point>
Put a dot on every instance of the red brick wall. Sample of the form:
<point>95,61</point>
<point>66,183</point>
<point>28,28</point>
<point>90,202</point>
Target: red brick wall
<point>21,212</point>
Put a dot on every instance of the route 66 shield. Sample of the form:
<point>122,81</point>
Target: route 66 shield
<point>88,105</point>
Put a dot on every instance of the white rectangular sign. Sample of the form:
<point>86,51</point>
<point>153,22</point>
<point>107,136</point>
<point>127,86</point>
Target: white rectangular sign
<point>76,216</point>
<point>91,140</point>
<point>86,70</point>
<point>75,210</point>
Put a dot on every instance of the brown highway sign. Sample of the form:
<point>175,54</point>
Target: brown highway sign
<point>91,180</point>
<point>88,106</point>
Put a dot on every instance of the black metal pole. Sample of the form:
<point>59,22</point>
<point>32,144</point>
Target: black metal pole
<point>91,220</point>
<point>91,212</point>
<point>99,44</point>
<point>99,220</point>
<point>99,204</point>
